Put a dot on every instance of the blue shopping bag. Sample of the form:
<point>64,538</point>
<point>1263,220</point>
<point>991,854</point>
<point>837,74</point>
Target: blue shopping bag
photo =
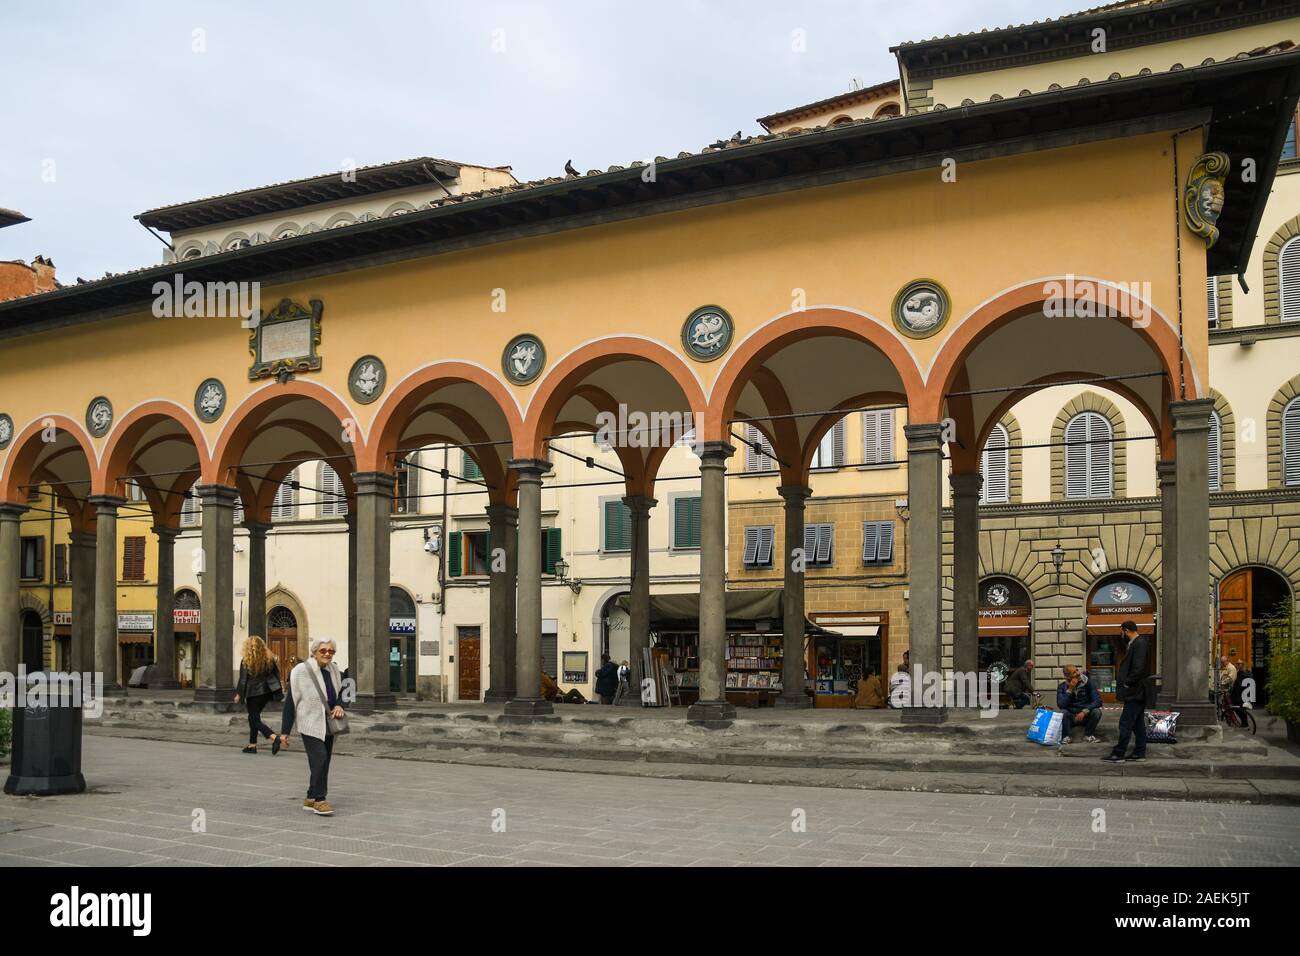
<point>1046,726</point>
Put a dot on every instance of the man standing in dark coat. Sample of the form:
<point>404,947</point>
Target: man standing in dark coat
<point>607,680</point>
<point>1130,687</point>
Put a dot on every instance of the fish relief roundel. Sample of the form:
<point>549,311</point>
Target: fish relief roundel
<point>707,333</point>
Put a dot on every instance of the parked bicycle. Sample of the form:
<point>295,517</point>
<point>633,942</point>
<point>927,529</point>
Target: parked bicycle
<point>1232,714</point>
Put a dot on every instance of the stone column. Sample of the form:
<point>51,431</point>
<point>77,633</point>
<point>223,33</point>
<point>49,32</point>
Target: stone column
<point>11,639</point>
<point>792,600</point>
<point>257,577</point>
<point>1192,575</point>
<point>712,709</point>
<point>353,650</point>
<point>528,702</point>
<point>81,568</point>
<point>106,661</point>
<point>638,634</point>
<point>373,540</point>
<point>502,532</point>
<point>1167,634</point>
<point>164,661</point>
<point>216,560</point>
<point>925,584</point>
<point>965,571</point>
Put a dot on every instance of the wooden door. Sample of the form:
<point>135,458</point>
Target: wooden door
<point>283,642</point>
<point>1235,613</point>
<point>467,647</point>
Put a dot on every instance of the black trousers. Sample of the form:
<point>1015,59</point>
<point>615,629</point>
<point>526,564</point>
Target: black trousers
<point>319,753</point>
<point>255,706</point>
<point>1133,721</point>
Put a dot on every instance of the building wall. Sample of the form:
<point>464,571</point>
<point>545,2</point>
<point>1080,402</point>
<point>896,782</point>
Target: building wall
<point>19,279</point>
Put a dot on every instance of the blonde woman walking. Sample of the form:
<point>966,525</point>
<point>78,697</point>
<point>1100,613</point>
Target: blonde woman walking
<point>259,684</point>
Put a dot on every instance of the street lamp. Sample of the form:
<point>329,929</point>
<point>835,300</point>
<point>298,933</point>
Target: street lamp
<point>562,572</point>
<point>1058,558</point>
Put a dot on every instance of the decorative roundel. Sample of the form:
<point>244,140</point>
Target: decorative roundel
<point>707,333</point>
<point>998,595</point>
<point>523,359</point>
<point>99,416</point>
<point>1121,593</point>
<point>368,379</point>
<point>921,308</point>
<point>6,431</point>
<point>210,400</point>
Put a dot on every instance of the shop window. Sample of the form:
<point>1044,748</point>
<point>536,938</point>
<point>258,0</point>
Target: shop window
<point>758,546</point>
<point>1291,444</point>
<point>762,458</point>
<point>333,497</point>
<point>470,469</point>
<point>1288,278</point>
<point>830,451</point>
<point>616,526</point>
<point>1212,300</point>
<point>32,562</point>
<point>818,544</point>
<point>133,559</point>
<point>878,542</point>
<point>1088,472</point>
<point>995,466</point>
<point>878,436</point>
<point>686,521</point>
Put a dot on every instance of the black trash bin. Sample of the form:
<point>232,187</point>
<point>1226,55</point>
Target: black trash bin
<point>46,751</point>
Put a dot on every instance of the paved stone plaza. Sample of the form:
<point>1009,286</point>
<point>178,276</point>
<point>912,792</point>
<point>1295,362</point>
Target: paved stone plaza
<point>144,794</point>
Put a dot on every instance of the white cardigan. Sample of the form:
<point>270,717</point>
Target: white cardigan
<point>308,709</point>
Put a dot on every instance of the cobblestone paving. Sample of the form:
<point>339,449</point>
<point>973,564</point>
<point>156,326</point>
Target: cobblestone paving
<point>145,796</point>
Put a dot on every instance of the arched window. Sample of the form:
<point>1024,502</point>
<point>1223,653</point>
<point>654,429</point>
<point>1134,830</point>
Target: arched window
<point>286,497</point>
<point>1088,472</point>
<point>239,242</point>
<point>1212,300</point>
<point>995,466</point>
<point>191,509</point>
<point>1216,454</point>
<point>193,253</point>
<point>333,497</point>
<point>1288,278</point>
<point>1291,444</point>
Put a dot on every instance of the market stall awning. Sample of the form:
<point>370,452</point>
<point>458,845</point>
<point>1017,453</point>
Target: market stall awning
<point>756,609</point>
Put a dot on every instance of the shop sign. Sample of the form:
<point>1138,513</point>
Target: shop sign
<point>62,618</point>
<point>186,615</point>
<point>135,622</point>
<point>1004,612</point>
<point>401,625</point>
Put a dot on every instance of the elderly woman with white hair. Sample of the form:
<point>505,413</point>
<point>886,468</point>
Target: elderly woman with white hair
<point>314,702</point>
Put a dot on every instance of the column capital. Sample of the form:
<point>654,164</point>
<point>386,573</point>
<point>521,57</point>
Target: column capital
<point>374,483</point>
<point>11,511</point>
<point>1193,415</point>
<point>1167,472</point>
<point>256,529</point>
<point>530,469</point>
<point>714,454</point>
<point>639,504</point>
<point>966,485</point>
<point>794,494</point>
<point>106,504</point>
<point>218,496</point>
<point>164,532</point>
<point>926,437</point>
<point>506,514</point>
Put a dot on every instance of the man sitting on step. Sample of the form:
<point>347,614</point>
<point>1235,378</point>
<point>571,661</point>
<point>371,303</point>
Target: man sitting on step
<point>1080,701</point>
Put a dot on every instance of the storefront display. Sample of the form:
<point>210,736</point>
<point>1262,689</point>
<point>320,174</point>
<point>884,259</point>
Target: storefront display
<point>1005,619</point>
<point>839,656</point>
<point>1111,603</point>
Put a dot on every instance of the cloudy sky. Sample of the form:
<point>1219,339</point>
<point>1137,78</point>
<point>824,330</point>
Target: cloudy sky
<point>113,108</point>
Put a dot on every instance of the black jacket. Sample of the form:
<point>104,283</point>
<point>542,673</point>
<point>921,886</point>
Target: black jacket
<point>255,685</point>
<point>1134,669</point>
<point>607,678</point>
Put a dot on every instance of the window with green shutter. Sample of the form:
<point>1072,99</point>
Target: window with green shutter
<point>470,468</point>
<point>550,549</point>
<point>686,521</point>
<point>617,526</point>
<point>453,554</point>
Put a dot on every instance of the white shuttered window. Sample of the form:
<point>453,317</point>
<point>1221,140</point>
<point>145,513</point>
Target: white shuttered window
<point>830,452</point>
<point>878,436</point>
<point>282,507</point>
<point>1212,300</point>
<point>756,461</point>
<point>995,466</point>
<point>1088,456</point>
<point>1288,279</point>
<point>1291,444</point>
<point>332,500</point>
<point>1216,453</point>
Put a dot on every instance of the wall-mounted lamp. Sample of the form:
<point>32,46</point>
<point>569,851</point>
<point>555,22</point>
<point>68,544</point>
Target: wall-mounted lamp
<point>1058,558</point>
<point>562,572</point>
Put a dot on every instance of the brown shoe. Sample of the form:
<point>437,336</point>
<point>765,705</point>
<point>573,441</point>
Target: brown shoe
<point>323,809</point>
<point>309,804</point>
